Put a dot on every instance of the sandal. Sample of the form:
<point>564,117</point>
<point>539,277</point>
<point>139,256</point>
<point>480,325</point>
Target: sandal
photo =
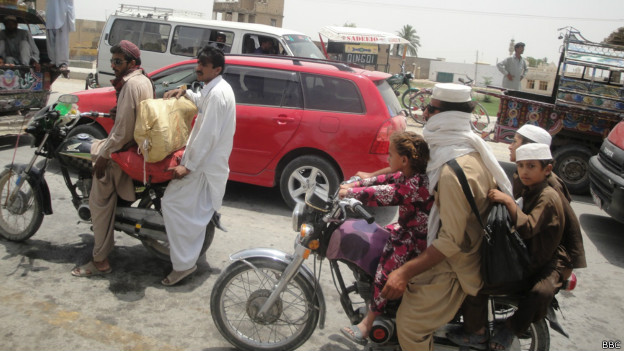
<point>354,334</point>
<point>175,276</point>
<point>89,270</point>
<point>462,338</point>
<point>502,339</point>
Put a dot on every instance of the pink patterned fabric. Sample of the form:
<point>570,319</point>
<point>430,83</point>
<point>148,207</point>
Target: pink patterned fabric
<point>408,236</point>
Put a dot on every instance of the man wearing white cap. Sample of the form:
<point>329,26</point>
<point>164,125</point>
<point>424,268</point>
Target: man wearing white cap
<point>434,284</point>
<point>540,222</point>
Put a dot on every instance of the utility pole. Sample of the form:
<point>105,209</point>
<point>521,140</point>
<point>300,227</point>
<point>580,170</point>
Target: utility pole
<point>476,66</point>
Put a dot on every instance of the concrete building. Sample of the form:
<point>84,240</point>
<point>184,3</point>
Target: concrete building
<point>450,72</point>
<point>270,12</point>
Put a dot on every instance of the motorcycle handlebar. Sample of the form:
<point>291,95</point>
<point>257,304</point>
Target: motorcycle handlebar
<point>367,216</point>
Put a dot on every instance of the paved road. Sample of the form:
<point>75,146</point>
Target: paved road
<point>45,308</point>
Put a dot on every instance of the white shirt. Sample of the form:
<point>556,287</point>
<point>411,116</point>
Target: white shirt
<point>58,11</point>
<point>517,67</point>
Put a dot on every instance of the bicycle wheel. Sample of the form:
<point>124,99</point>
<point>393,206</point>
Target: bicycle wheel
<point>480,121</point>
<point>408,95</point>
<point>417,105</point>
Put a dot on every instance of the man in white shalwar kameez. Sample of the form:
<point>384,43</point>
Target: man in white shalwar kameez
<point>60,20</point>
<point>197,189</point>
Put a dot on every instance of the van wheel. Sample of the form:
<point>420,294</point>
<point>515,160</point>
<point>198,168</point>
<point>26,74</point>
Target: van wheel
<point>572,166</point>
<point>306,172</point>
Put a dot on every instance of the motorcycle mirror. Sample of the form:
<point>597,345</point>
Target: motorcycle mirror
<point>68,99</point>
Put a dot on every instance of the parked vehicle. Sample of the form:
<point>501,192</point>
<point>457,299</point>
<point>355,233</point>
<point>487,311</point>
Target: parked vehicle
<point>166,36</point>
<point>299,122</point>
<point>398,80</point>
<point>586,103</point>
<point>25,196</point>
<point>21,87</point>
<point>269,300</point>
<point>606,174</point>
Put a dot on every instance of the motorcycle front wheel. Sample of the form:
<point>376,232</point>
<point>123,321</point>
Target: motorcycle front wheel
<point>20,217</point>
<point>241,290</point>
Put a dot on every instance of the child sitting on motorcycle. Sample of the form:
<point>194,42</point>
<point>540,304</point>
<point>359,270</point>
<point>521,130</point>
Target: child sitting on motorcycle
<point>540,221</point>
<point>405,185</point>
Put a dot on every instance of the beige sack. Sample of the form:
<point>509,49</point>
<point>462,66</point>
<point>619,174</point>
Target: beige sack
<point>163,126</point>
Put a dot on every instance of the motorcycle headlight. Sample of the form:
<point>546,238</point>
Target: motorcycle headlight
<point>297,216</point>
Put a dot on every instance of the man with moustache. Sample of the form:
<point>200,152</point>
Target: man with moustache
<point>198,184</point>
<point>109,182</point>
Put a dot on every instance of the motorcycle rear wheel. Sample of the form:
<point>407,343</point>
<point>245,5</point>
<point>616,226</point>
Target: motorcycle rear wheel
<point>536,338</point>
<point>239,292</point>
<point>20,219</point>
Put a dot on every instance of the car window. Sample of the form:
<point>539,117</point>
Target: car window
<point>267,87</point>
<point>149,36</point>
<point>188,40</point>
<point>251,43</point>
<point>331,94</point>
<point>302,46</point>
<point>390,98</point>
<point>173,78</point>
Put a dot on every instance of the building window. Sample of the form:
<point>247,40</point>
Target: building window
<point>530,84</point>
<point>543,85</point>
<point>273,22</point>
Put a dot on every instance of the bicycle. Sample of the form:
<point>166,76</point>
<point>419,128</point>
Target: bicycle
<point>396,81</point>
<point>479,121</point>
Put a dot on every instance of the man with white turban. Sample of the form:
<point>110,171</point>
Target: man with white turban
<point>434,284</point>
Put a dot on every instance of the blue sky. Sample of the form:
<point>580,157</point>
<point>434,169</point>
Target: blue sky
<point>457,30</point>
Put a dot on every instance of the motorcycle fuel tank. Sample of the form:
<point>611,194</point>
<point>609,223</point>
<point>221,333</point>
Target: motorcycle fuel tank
<point>75,153</point>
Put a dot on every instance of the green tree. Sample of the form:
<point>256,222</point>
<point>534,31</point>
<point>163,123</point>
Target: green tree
<point>616,38</point>
<point>347,24</point>
<point>408,33</point>
<point>533,62</point>
<point>487,81</point>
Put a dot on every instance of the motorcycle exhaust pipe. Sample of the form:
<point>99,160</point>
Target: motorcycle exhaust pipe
<point>382,331</point>
<point>84,212</point>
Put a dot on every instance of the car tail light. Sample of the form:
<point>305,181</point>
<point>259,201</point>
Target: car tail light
<point>616,136</point>
<point>381,144</point>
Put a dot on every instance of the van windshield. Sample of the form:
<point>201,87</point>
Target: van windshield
<point>302,46</point>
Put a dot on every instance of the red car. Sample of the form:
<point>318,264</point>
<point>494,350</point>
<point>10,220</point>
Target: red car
<point>299,122</point>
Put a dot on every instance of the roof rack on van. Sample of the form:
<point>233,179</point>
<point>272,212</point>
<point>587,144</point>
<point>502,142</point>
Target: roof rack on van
<point>297,61</point>
<point>154,12</point>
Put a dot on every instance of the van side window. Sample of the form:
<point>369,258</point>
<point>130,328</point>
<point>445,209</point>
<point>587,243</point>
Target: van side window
<point>188,40</point>
<point>252,44</point>
<point>331,94</point>
<point>266,87</point>
<point>147,36</point>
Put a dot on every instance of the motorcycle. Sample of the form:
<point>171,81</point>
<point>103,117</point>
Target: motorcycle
<point>269,300</point>
<point>58,133</point>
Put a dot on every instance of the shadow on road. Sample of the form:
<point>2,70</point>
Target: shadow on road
<point>134,268</point>
<point>606,234</point>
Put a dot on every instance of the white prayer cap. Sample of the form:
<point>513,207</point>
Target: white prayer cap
<point>533,151</point>
<point>535,134</point>
<point>450,92</point>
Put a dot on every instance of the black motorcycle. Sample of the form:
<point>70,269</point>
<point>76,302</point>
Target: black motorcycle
<point>269,300</point>
<point>58,133</point>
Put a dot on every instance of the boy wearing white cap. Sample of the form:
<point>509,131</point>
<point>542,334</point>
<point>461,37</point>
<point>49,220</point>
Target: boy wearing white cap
<point>540,222</point>
<point>434,284</point>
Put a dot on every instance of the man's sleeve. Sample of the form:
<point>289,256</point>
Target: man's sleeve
<point>33,48</point>
<point>501,67</point>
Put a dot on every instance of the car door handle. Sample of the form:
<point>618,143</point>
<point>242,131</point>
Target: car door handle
<point>283,119</point>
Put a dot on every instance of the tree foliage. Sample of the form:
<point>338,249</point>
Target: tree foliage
<point>347,24</point>
<point>408,33</point>
<point>533,62</point>
<point>616,38</point>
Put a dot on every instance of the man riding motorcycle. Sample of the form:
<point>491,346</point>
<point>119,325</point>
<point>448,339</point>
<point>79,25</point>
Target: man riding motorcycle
<point>132,86</point>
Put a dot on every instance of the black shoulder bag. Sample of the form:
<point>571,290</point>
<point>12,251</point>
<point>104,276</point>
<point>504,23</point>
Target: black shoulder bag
<point>504,256</point>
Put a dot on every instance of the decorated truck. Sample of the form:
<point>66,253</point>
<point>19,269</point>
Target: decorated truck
<point>586,103</point>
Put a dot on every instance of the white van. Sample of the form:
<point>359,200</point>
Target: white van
<point>166,36</point>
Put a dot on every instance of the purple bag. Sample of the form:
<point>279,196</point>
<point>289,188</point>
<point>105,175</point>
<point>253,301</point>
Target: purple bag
<point>358,242</point>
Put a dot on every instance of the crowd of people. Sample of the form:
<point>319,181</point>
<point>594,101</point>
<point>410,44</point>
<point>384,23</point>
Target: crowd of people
<point>432,256</point>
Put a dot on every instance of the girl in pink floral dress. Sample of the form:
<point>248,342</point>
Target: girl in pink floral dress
<point>405,186</point>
